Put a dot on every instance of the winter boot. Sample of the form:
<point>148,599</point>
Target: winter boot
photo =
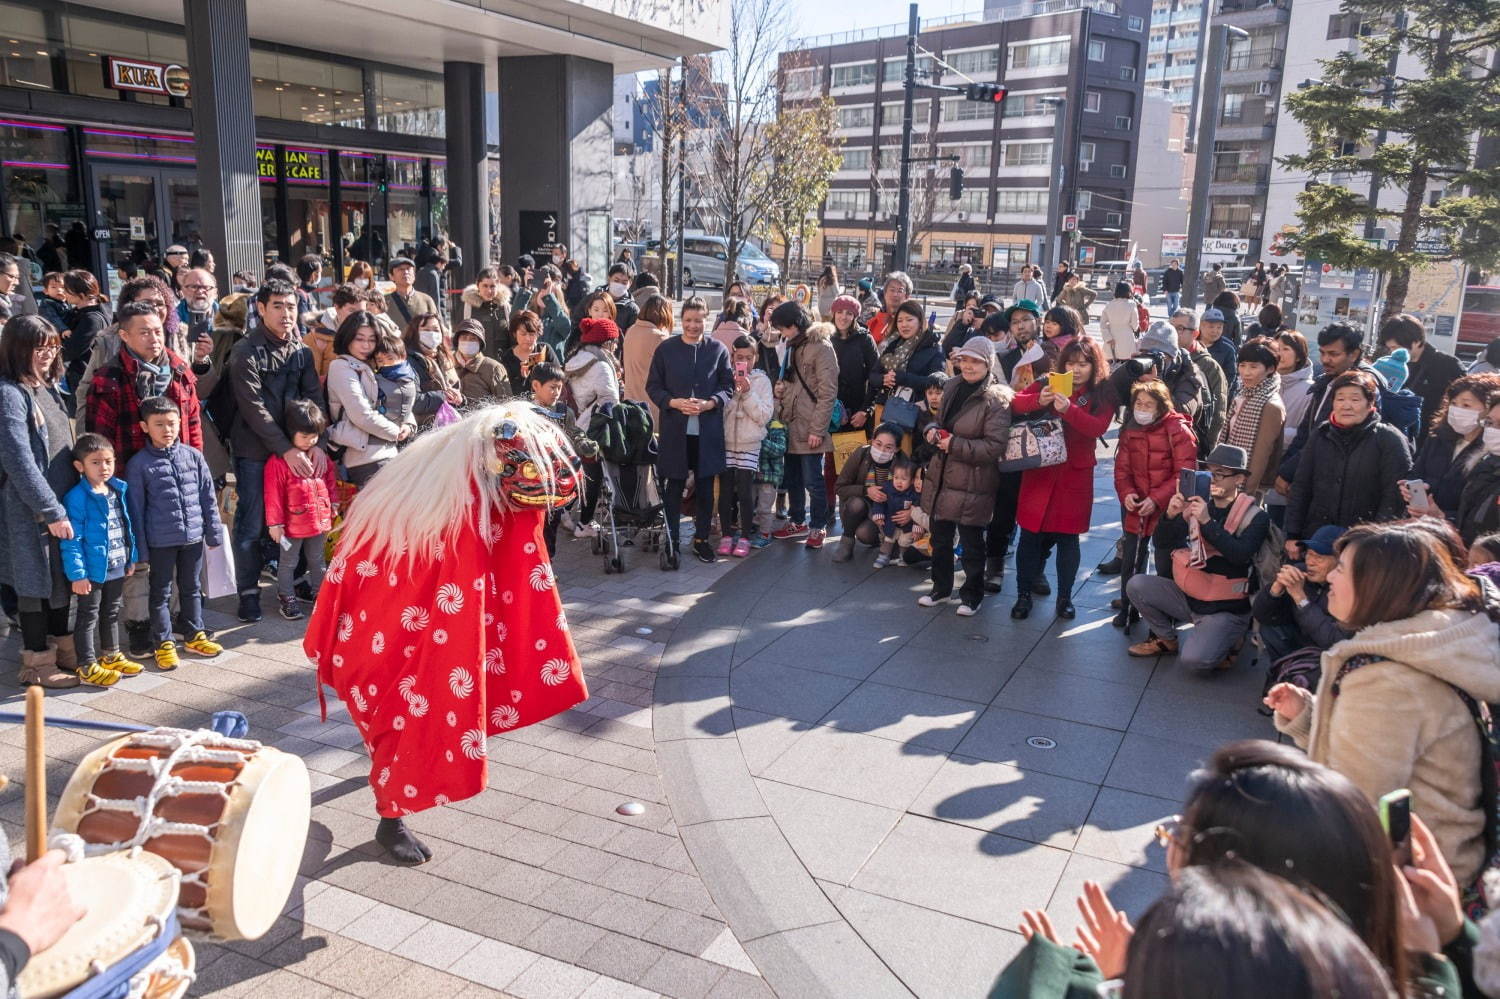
<point>994,574</point>
<point>845,550</point>
<point>1112,566</point>
<point>40,669</point>
<point>67,652</point>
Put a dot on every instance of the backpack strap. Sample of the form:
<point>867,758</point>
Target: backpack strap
<point>1489,780</point>
<point>1349,666</point>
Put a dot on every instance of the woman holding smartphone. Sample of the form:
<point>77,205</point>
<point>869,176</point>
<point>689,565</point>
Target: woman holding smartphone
<point>526,350</point>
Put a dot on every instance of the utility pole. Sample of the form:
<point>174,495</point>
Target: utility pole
<point>903,208</point>
<point>1203,165</point>
<point>1055,184</point>
<point>682,178</point>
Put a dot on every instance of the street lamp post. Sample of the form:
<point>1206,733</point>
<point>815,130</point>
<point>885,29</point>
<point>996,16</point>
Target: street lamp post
<point>1055,183</point>
<point>909,86</point>
<point>1203,166</point>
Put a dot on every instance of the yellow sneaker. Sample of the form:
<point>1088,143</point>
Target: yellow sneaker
<point>200,644</point>
<point>166,656</point>
<point>117,662</point>
<point>98,676</point>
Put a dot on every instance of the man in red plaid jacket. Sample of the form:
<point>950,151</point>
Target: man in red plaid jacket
<point>144,367</point>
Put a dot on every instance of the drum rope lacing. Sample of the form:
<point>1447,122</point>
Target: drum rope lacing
<point>183,748</point>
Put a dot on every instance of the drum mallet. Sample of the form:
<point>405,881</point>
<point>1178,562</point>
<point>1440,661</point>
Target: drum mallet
<point>36,775</point>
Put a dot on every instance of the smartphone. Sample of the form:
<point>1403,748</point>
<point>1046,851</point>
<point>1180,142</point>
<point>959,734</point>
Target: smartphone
<point>742,368</point>
<point>286,543</point>
<point>1418,490</point>
<point>1191,482</point>
<point>1395,816</point>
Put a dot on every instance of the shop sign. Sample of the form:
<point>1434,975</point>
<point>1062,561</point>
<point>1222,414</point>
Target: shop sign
<point>146,77</point>
<point>295,164</point>
<point>538,232</point>
<point>1174,246</point>
<point>1226,247</point>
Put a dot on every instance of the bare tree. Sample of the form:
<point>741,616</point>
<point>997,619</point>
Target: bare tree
<point>740,101</point>
<point>930,205</point>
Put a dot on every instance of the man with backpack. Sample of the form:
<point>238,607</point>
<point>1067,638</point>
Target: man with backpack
<point>1215,410</point>
<point>1211,575</point>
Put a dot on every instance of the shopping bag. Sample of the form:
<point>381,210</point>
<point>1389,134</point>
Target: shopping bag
<point>218,571</point>
<point>845,444</point>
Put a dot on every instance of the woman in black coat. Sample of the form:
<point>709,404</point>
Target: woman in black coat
<point>88,322</point>
<point>858,360</point>
<point>1228,303</point>
<point>690,382</point>
<point>1454,444</point>
<point>909,354</point>
<point>1352,464</point>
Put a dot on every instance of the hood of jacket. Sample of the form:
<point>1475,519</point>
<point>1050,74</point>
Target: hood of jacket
<point>473,300</point>
<point>1295,381</point>
<point>1454,646</point>
<point>816,333</point>
<point>1401,409</point>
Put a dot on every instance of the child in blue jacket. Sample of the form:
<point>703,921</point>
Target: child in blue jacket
<point>176,516</point>
<point>96,560</point>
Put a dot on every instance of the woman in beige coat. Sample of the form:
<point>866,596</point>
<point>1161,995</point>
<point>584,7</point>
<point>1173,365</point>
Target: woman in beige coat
<point>958,491</point>
<point>1387,713</point>
<point>805,394</point>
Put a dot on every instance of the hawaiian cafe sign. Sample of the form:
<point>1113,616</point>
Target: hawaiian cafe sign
<point>146,77</point>
<point>296,164</point>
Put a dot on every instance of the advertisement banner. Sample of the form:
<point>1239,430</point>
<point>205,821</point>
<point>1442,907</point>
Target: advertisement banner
<point>1174,246</point>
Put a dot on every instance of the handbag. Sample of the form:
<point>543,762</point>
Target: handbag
<point>1034,444</point>
<point>901,412</point>
<point>218,572</point>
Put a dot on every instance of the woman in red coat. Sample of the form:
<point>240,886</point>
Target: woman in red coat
<point>1156,442</point>
<point>1056,502</point>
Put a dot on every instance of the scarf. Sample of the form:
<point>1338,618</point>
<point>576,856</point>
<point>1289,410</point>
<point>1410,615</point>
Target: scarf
<point>151,380</point>
<point>1244,426</point>
<point>897,356</point>
<point>965,391</point>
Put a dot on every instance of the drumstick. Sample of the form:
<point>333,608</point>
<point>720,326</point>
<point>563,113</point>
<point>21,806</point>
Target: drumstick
<point>36,776</point>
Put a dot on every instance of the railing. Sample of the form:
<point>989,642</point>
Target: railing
<point>1245,6</point>
<point>1015,12</point>
<point>1240,59</point>
<point>1241,173</point>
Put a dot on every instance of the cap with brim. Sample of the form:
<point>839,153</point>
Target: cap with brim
<point>1211,315</point>
<point>1024,305</point>
<point>175,249</point>
<point>402,262</point>
<point>1323,539</point>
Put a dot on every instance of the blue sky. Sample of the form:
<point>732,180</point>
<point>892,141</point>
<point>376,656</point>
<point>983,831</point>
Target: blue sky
<point>819,17</point>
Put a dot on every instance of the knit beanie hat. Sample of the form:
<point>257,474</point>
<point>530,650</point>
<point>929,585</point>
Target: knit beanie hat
<point>979,348</point>
<point>845,303</point>
<point>1392,367</point>
<point>1161,338</point>
<point>598,331</point>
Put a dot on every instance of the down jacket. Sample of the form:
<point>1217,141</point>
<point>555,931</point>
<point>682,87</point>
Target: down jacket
<point>747,414</point>
<point>1060,498</point>
<point>1147,464</point>
<point>1346,476</point>
<point>960,485</point>
<point>171,496</point>
<point>1396,722</point>
<point>86,554</point>
<point>302,507</point>
<point>493,315</point>
<point>810,382</point>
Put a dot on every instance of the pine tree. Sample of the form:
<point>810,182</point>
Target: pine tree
<point>1412,132</point>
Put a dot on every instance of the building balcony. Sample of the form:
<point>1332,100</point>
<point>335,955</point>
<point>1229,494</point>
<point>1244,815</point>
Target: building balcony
<point>1253,13</point>
<point>1241,173</point>
<point>1244,130</point>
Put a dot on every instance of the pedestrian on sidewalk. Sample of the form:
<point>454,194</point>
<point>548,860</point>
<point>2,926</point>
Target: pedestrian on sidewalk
<point>805,398</point>
<point>300,509</point>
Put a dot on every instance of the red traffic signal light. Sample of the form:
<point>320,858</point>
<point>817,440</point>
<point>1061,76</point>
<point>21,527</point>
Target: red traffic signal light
<point>990,93</point>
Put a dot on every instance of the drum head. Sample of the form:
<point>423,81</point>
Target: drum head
<point>259,849</point>
<point>125,894</point>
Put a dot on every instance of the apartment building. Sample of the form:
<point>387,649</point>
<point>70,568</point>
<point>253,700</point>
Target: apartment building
<point>1172,52</point>
<point>1090,53</point>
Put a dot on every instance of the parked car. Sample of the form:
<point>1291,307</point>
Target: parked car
<point>705,256</point>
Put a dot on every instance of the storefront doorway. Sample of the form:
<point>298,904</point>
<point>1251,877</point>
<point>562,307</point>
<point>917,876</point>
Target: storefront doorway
<point>146,209</point>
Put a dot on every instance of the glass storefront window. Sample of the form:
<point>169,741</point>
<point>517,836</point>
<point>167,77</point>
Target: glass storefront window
<point>363,233</point>
<point>40,181</point>
<point>405,221</point>
<point>147,147</point>
<point>25,54</point>
<point>438,171</point>
<point>308,203</point>
<point>410,105</point>
<point>296,88</point>
<point>88,41</point>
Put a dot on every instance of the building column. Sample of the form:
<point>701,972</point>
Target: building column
<point>218,45</point>
<point>468,173</point>
<point>556,153</point>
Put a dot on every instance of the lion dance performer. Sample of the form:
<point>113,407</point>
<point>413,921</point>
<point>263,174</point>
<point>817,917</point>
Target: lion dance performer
<point>439,623</point>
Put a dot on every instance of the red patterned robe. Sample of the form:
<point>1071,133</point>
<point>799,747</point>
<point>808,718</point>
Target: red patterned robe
<point>433,658</point>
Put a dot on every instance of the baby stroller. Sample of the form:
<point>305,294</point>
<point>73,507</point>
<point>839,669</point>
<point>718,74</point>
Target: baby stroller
<point>630,508</point>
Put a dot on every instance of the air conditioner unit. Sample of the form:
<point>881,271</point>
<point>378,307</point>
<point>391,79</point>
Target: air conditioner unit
<point>1263,88</point>
<point>1231,234</point>
<point>963,216</point>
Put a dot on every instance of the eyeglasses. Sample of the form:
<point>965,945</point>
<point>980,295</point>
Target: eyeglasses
<point>198,287</point>
<point>1221,476</point>
<point>46,348</point>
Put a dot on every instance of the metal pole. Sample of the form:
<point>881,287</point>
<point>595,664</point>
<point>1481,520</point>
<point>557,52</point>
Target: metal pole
<point>1387,99</point>
<point>1207,8</point>
<point>1055,186</point>
<point>1208,125</point>
<point>903,205</point>
<point>682,179</point>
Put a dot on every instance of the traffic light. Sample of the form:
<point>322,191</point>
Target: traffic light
<point>989,93</point>
<point>955,183</point>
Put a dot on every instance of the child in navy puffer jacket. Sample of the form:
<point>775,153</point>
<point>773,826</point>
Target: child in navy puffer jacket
<point>96,560</point>
<point>175,511</point>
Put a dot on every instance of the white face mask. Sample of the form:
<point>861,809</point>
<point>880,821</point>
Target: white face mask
<point>361,283</point>
<point>618,288</point>
<point>1492,440</point>
<point>430,338</point>
<point>1463,420</point>
<point>882,455</point>
<point>1144,417</point>
<point>468,348</point>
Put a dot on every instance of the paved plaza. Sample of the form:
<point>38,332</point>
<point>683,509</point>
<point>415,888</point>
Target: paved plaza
<point>845,794</point>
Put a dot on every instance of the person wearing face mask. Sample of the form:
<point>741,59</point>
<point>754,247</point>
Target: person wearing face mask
<point>1349,471</point>
<point>1210,588</point>
<point>487,302</point>
<point>431,359</point>
<point>1479,503</point>
<point>862,481</point>
<point>361,275</point>
<point>481,379</point>
<point>1453,446</point>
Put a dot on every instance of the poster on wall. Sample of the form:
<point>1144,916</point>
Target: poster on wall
<point>1332,294</point>
<point>1174,246</point>
<point>1435,295</point>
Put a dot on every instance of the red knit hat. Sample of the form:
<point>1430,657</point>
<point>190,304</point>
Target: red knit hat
<point>845,303</point>
<point>598,330</point>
